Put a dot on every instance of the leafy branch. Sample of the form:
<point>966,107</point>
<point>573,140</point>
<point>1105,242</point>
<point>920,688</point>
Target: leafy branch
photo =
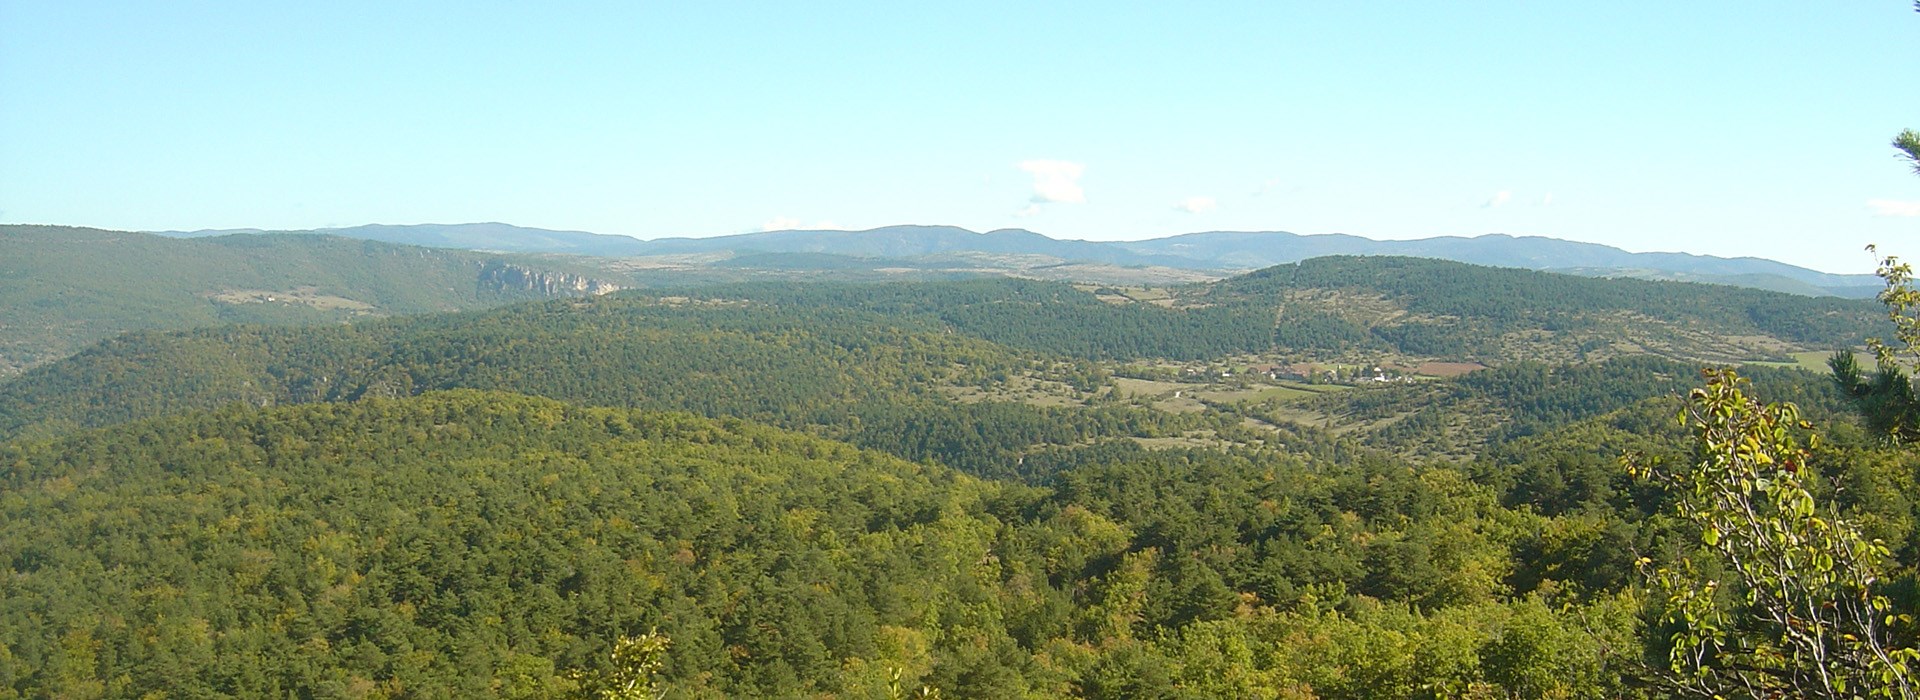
<point>1796,613</point>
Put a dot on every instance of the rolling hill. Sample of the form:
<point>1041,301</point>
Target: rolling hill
<point>1437,308</point>
<point>62,288</point>
<point>1246,250</point>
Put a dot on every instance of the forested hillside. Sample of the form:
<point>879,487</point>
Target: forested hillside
<point>1329,306</point>
<point>739,359</point>
<point>62,288</point>
<point>1343,306</point>
<point>1047,317</point>
<point>1433,307</point>
<point>1461,418</point>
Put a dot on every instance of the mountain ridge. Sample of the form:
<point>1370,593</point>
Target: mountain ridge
<point>1215,251</point>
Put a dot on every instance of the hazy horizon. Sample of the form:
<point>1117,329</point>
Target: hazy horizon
<point>1719,129</point>
<point>248,230</point>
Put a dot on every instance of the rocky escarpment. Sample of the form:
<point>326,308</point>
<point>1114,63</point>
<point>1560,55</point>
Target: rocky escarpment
<point>498,276</point>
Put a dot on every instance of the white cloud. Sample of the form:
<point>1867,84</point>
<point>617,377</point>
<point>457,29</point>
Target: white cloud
<point>1268,186</point>
<point>1055,181</point>
<point>1029,211</point>
<point>1499,198</point>
<point>1892,207</point>
<point>1547,201</point>
<point>1197,204</point>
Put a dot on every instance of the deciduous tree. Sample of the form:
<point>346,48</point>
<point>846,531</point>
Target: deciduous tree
<point>1783,599</point>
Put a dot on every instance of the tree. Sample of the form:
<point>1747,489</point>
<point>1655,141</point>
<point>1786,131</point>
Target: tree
<point>633,670</point>
<point>1795,609</point>
<point>1886,399</point>
<point>1908,143</point>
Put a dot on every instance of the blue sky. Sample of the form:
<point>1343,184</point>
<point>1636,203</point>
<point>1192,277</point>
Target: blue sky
<point>1750,128</point>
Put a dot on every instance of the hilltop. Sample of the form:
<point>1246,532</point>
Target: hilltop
<point>63,287</point>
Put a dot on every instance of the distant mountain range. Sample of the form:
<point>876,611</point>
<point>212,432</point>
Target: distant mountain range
<point>489,236</point>
<point>1221,251</point>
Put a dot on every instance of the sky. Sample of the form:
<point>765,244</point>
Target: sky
<point>1753,128</point>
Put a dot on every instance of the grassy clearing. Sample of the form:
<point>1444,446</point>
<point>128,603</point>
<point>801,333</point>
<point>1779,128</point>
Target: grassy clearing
<point>1201,439</point>
<point>1128,386</point>
<point>1030,390</point>
<point>1283,393</point>
<point>303,296</point>
<point>1148,294</point>
<point>1811,361</point>
<point>1318,388</point>
<point>1183,404</point>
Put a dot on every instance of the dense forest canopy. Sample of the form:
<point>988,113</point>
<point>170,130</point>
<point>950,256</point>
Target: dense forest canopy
<point>480,544</point>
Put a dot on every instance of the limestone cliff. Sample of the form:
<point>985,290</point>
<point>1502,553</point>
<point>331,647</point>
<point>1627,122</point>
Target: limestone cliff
<point>499,276</point>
